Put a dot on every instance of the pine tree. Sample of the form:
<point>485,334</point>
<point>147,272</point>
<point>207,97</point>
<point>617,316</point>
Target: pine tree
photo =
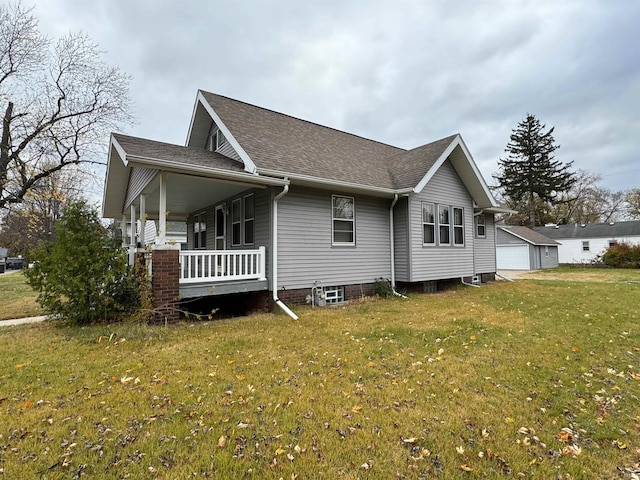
<point>530,170</point>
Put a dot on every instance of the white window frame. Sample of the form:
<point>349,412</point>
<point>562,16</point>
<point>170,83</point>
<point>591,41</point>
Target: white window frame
<point>481,224</point>
<point>334,295</point>
<point>441,225</point>
<point>246,220</point>
<point>431,224</point>
<point>216,140</point>
<point>335,219</point>
<point>585,246</point>
<point>458,227</point>
<point>236,242</point>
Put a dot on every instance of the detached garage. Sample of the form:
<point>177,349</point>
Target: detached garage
<point>520,248</point>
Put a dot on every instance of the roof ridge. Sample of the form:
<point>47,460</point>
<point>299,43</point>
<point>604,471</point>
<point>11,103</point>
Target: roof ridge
<point>306,121</point>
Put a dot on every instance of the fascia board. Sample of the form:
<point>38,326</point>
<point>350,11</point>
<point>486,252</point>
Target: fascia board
<point>249,166</point>
<point>177,167</point>
<point>327,183</point>
<point>457,141</point>
<point>115,168</point>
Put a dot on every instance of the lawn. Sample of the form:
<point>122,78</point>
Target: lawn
<point>534,379</point>
<point>17,298</point>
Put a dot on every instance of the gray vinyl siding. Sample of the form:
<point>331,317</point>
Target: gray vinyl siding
<point>401,239</point>
<point>484,249</point>
<point>441,262</point>
<point>227,150</point>
<point>305,252</point>
<point>505,238</point>
<point>552,260</point>
<point>139,178</point>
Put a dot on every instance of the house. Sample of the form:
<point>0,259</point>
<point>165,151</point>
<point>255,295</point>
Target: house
<point>520,248</point>
<point>583,243</point>
<point>285,208</point>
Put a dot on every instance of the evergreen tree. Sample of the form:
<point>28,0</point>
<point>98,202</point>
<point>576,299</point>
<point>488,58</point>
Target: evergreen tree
<point>530,173</point>
<point>82,276</point>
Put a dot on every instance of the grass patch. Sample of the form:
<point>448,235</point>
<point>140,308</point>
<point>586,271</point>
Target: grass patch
<point>538,378</point>
<point>17,298</point>
<point>587,274</point>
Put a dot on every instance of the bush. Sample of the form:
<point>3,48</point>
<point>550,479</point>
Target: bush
<point>382,288</point>
<point>82,276</point>
<point>622,255</point>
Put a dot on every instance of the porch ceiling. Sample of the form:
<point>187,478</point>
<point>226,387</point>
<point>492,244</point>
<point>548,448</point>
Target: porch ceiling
<point>187,194</point>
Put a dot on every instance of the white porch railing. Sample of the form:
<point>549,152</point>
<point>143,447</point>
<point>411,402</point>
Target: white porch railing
<point>222,265</point>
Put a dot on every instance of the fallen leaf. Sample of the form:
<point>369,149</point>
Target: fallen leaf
<point>466,468</point>
<point>222,441</point>
<point>460,450</point>
<point>619,444</point>
<point>27,404</point>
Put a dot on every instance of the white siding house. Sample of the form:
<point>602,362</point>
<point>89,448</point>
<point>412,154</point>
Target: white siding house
<point>583,243</point>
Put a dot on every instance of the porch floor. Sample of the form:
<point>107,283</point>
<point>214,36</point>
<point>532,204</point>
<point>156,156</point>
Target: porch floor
<point>203,289</point>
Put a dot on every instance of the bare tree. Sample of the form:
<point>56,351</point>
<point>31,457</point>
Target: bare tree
<point>60,101</point>
<point>632,200</point>
<point>587,202</point>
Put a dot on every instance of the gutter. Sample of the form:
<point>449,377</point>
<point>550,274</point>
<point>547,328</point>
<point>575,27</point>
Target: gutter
<point>393,260</point>
<point>274,255</point>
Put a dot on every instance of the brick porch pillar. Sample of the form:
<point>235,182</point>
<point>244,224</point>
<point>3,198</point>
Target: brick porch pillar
<point>165,278</point>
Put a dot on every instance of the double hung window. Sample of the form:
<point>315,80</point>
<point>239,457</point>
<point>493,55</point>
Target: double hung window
<point>458,226</point>
<point>428,223</point>
<point>343,220</point>
<point>199,231</point>
<point>236,222</point>
<point>444,225</point>
<point>481,231</point>
<point>249,217</point>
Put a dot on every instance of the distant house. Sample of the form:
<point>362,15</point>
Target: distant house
<point>520,248</point>
<point>285,208</point>
<point>582,243</point>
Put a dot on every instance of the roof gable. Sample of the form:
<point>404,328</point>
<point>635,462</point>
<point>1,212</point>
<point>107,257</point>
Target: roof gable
<point>528,235</point>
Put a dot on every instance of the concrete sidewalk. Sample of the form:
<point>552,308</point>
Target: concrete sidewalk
<point>20,321</point>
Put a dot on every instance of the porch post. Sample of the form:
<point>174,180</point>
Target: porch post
<point>162,211</point>
<point>132,238</point>
<point>123,229</point>
<point>165,283</point>
<point>143,206</point>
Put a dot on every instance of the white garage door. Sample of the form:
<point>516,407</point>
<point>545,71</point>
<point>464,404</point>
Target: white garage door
<point>514,257</point>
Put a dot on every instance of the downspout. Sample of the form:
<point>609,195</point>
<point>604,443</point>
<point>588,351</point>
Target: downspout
<point>392,243</point>
<point>274,255</point>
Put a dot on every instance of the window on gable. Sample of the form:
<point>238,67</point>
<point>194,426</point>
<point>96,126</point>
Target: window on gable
<point>444,225</point>
<point>216,140</point>
<point>343,220</point>
<point>458,226</point>
<point>248,219</point>
<point>236,217</point>
<point>585,246</point>
<point>481,231</point>
<point>428,223</point>
<point>199,231</point>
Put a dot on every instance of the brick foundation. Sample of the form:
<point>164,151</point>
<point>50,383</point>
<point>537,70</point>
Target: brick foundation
<point>165,284</point>
<point>351,292</point>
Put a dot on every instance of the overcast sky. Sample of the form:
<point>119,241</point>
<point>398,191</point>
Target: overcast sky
<point>401,72</point>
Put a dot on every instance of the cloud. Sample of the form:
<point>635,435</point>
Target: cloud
<point>405,72</point>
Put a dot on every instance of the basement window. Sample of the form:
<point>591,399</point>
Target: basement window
<point>334,295</point>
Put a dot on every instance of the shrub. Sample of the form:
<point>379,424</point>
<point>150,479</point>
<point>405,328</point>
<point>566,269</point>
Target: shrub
<point>622,255</point>
<point>382,288</point>
<point>82,276</point>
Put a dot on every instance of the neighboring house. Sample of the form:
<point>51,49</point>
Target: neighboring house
<point>583,243</point>
<point>277,204</point>
<point>176,233</point>
<point>520,248</point>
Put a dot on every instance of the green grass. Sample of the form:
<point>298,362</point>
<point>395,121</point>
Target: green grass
<point>471,379</point>
<point>17,298</point>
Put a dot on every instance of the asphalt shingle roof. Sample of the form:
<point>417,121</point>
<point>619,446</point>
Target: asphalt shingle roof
<point>592,230</point>
<point>531,236</point>
<point>166,151</point>
<point>279,142</point>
